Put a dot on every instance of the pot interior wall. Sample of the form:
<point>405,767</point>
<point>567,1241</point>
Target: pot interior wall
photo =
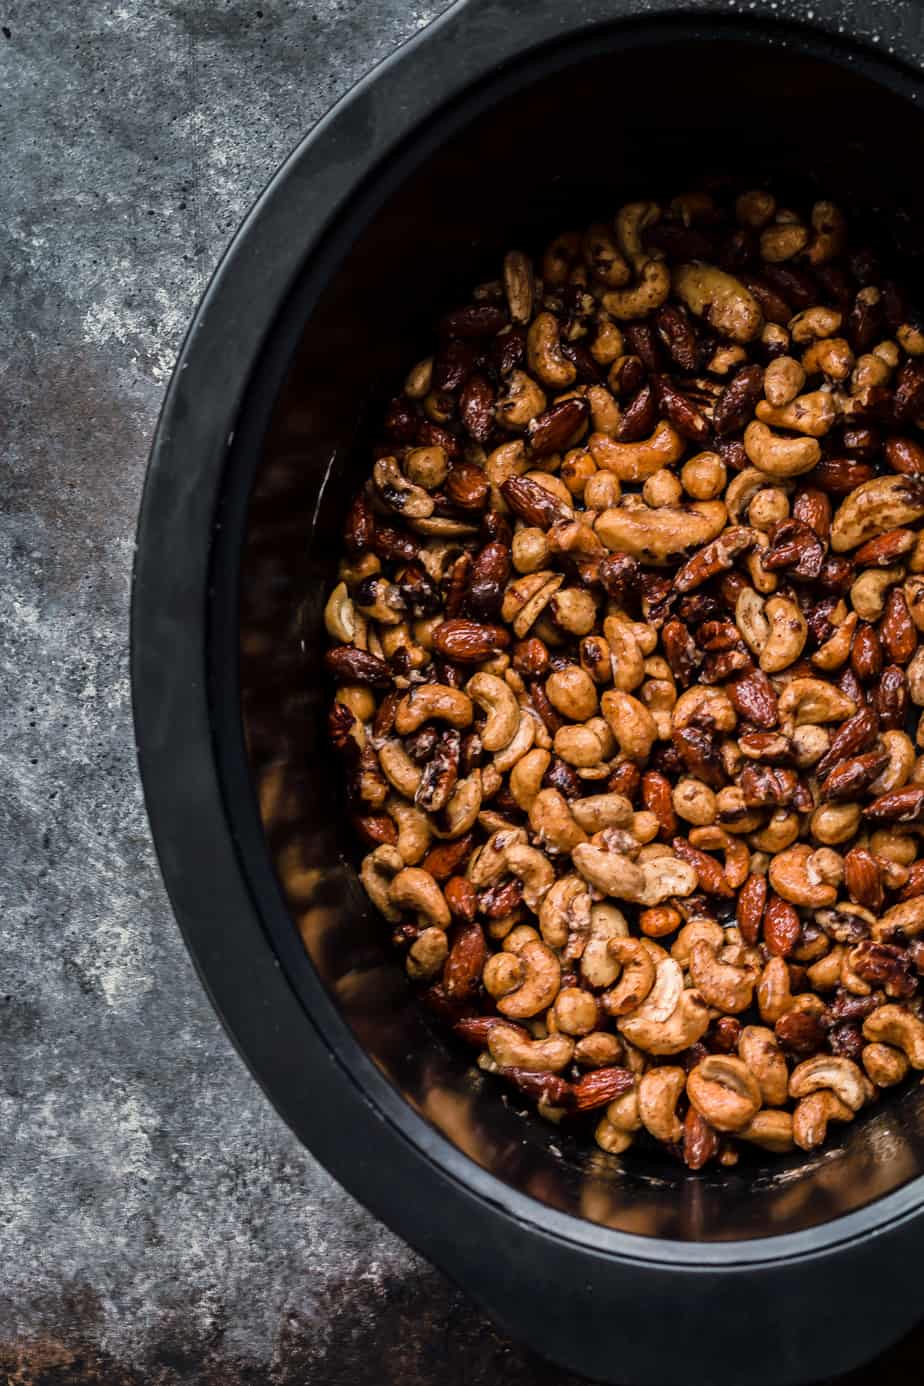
<point>568,140</point>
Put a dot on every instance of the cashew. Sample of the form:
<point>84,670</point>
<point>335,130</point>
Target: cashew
<point>627,665</point>
<point>610,1138</point>
<point>427,954</point>
<point>463,808</point>
<point>636,980</point>
<point>503,714</point>
<point>552,824</point>
<point>834,1073</point>
<point>869,591</point>
<point>778,456</point>
<point>503,973</point>
<point>510,1049</point>
<point>647,883</point>
<point>603,258</point>
<point>759,1048</point>
<point>399,769</point>
<point>886,502</point>
<point>600,811</point>
<point>565,912</point>
<point>526,777</point>
<point>783,379</point>
<point>813,414</point>
<point>745,487</point>
<point>815,701</point>
<point>812,1115</point>
<point>751,620</point>
<point>518,745</point>
<point>631,220</point>
<point>659,535</point>
<point>707,707</point>
<point>378,870</point>
<point>526,599</point>
<point>415,828</point>
<point>623,1112</point>
<point>637,461</point>
<point>884,1064</point>
<point>696,931</point>
<point>432,702</point>
<point>728,988</point>
<point>782,241</point>
<point>774,997</point>
<point>642,298</point>
<point>599,967</point>
<point>901,762</point>
<point>791,878</point>
<point>770,1130</point>
<point>724,1091</point>
<point>416,890</point>
<point>398,493</point>
<point>670,1018</point>
<point>544,353</point>
<point>788,634</point>
<point>834,652</point>
<point>519,285</point>
<point>540,985</point>
<point>893,1025</point>
<point>659,1091</point>
<point>631,723</point>
<point>571,692</point>
<point>722,300</point>
<point>340,619</point>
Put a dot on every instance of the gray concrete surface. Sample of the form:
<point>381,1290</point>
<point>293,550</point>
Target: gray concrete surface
<point>158,1223</point>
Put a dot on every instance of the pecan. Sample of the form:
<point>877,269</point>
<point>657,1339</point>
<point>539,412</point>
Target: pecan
<point>723,1035</point>
<point>847,1006</point>
<point>500,900</point>
<point>680,651</point>
<point>699,607</point>
<point>359,528</point>
<point>863,879</point>
<point>674,328</point>
<point>440,774</point>
<point>914,886</point>
<point>749,910</point>
<point>418,592</point>
<point>375,828</point>
<point>771,748</point>
<point>349,665</point>
<point>547,1088</point>
<point>732,453</point>
<point>658,598</point>
<point>905,455</point>
<point>719,667</point>
<point>445,860</point>
<point>861,442</point>
<point>618,574</point>
<point>638,418</point>
<point>473,320</point>
<point>851,777</point>
<point>813,508</point>
<point>836,574</point>
<point>384,718</point>
<point>842,924</point>
<point>908,396</point>
<point>546,711</point>
<point>681,411</point>
<point>890,699</point>
<point>626,780</point>
<point>800,1032</point>
<point>600,1086</point>
<point>781,926</point>
<point>463,967</point>
<point>421,745</point>
<point>735,405</point>
<point>340,721</point>
<point>885,965</point>
<point>846,1040</point>
<point>885,549</point>
<point>916,953</point>
<point>657,799</point>
<point>467,487</point>
<point>852,737</point>
<point>456,585</point>
<point>709,873</point>
<point>533,503</point>
<point>715,557</point>
<point>714,636</point>
<point>395,545</point>
<point>468,642</point>
<point>897,630</point>
<point>795,547</point>
<point>764,786</point>
<point>700,755</point>
<point>554,428</point>
<point>562,777</point>
<point>453,363</point>
<point>753,699</point>
<point>531,658</point>
<point>700,1140</point>
<point>898,806</point>
<point>866,653</point>
<point>840,475</point>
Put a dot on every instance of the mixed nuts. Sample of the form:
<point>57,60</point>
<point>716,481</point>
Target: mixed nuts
<point>626,651</point>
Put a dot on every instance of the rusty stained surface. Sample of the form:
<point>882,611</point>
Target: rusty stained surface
<point>158,1223</point>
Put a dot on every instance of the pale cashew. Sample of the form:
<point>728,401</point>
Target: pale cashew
<point>463,808</point>
<point>869,591</point>
<point>340,620</point>
<point>886,502</point>
<point>730,989</point>
<point>526,777</point>
<point>642,298</point>
<point>782,241</point>
<point>575,1012</point>
<point>432,702</point>
<point>647,883</point>
<point>783,379</point>
<point>579,744</point>
<point>671,1018</point>
<point>631,220</point>
<point>600,811</point>
<point>884,1064</point>
<point>694,801</point>
<point>378,869</point>
<point>571,691</point>
<point>724,1091</point>
<point>830,233</point>
<point>812,1115</point>
<point>400,771</point>
<point>696,931</point>
<point>399,494</point>
<point>415,828</point>
<point>526,599</point>
<point>833,358</point>
<point>599,1049</point>
<point>659,1091</point>
<point>788,634</point>
<point>544,353</point>
<point>552,824</point>
<point>598,966</point>
<point>898,1027</point>
<point>834,652</point>
<point>627,665</point>
<point>565,912</point>
<point>509,1048</point>
<point>503,973</point>
<point>519,286</point>
<point>778,456</point>
<point>603,258</point>
<point>813,414</point>
<point>631,723</point>
<point>636,980</point>
<point>708,707</point>
<point>427,954</point>
<point>610,1139</point>
<point>518,745</point>
<point>540,985</point>
<point>815,701</point>
<point>637,461</point>
<point>907,916</point>
<point>774,997</point>
<point>496,699</point>
<point>662,534</point>
<point>759,1048</point>
<point>744,488</point>
<point>901,762</point>
<point>416,890</point>
<point>719,298</point>
<point>489,863</point>
<point>771,1130</point>
<point>623,1112</point>
<point>791,878</point>
<point>834,1073</point>
<point>754,208</point>
<point>751,620</point>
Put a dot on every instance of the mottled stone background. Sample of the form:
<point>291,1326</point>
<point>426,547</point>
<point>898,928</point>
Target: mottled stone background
<point>158,1223</point>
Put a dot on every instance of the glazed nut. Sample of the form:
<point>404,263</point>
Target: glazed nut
<point>659,1091</point>
<point>724,1091</point>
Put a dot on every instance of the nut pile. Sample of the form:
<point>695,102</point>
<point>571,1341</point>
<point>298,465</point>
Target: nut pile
<point>626,653</point>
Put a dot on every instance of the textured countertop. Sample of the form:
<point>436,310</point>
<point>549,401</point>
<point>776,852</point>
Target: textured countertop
<point>158,1223</point>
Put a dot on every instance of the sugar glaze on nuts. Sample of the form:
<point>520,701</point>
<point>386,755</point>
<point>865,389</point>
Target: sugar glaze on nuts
<point>626,645</point>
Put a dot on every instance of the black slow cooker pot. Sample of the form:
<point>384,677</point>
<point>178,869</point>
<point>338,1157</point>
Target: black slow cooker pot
<point>502,122</point>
